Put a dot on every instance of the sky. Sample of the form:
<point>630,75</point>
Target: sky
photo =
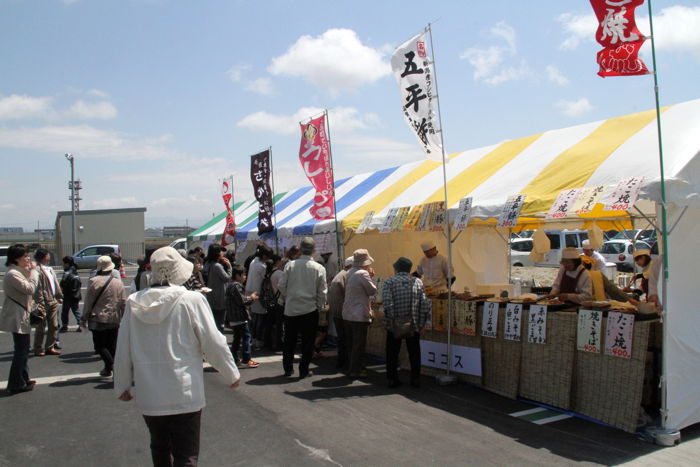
<point>158,99</point>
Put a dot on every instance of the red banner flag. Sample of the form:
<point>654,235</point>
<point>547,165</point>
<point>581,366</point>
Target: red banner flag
<point>618,33</point>
<point>228,236</point>
<point>315,158</point>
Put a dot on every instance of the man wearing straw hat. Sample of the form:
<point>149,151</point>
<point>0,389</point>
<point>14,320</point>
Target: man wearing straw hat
<point>165,333</point>
<point>573,282</point>
<point>651,270</point>
<point>303,284</point>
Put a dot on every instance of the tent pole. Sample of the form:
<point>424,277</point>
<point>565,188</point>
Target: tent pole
<point>448,378</point>
<point>335,210</point>
<point>274,209</point>
<point>664,281</point>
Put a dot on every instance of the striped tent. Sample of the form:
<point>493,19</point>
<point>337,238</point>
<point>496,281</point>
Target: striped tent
<point>540,166</point>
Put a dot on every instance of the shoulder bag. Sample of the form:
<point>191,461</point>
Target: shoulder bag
<point>92,314</point>
<point>36,315</point>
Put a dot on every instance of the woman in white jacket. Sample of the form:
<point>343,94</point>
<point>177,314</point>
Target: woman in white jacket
<point>165,333</point>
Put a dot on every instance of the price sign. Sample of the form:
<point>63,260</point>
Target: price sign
<point>464,317</point>
<point>366,222</point>
<point>625,194</point>
<point>425,216</point>
<point>413,218</point>
<point>513,322</point>
<point>489,322</point>
<point>619,330</point>
<point>587,199</point>
<point>563,203</point>
<point>400,219</point>
<point>437,218</point>
<point>588,335</point>
<point>537,324</point>
<point>511,211</point>
<point>464,213</point>
<point>389,220</point>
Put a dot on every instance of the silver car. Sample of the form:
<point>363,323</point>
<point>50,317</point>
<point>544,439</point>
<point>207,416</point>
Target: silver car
<point>87,257</point>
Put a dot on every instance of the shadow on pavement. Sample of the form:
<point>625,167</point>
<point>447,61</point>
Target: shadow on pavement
<point>82,381</point>
<point>271,380</point>
<point>79,357</point>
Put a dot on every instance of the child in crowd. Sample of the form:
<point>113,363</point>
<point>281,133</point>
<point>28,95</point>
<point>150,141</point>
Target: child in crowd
<point>238,311</point>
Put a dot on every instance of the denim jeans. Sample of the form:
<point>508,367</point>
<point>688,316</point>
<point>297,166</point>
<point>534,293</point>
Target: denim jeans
<point>19,371</point>
<point>241,338</point>
<point>68,306</point>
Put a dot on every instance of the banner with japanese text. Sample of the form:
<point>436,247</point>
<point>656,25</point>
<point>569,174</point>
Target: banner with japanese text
<point>260,178</point>
<point>228,236</point>
<point>315,159</point>
<point>414,73</point>
<point>618,34</point>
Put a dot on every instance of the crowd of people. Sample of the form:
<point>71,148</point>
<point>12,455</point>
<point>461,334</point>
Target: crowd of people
<point>153,338</point>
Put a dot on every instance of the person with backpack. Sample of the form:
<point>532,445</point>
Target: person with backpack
<point>269,298</point>
<point>70,285</point>
<point>277,310</point>
<point>238,310</point>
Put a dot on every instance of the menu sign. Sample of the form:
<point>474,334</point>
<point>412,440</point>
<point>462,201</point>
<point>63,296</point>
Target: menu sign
<point>537,324</point>
<point>563,204</point>
<point>625,194</point>
<point>464,213</point>
<point>489,322</point>
<point>513,322</point>
<point>511,211</point>
<point>366,222</point>
<point>619,330</point>
<point>588,335</point>
<point>389,220</point>
<point>587,199</point>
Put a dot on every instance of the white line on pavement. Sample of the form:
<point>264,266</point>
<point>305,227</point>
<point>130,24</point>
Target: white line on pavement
<point>555,418</point>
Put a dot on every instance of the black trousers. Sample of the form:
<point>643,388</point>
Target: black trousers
<point>304,325</point>
<point>19,371</point>
<point>342,343</point>
<point>105,343</point>
<point>174,439</point>
<point>393,347</point>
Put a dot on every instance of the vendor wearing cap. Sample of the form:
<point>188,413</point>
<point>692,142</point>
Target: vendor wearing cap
<point>433,269</point>
<point>598,259</point>
<point>651,269</point>
<point>573,282</point>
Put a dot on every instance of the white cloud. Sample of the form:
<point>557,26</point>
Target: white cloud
<point>7,206</point>
<point>555,75</point>
<point>335,61</point>
<point>235,73</point>
<point>87,141</point>
<point>20,107</point>
<point>261,86</point>
<point>112,203</point>
<point>574,108</point>
<point>341,119</point>
<point>98,93</point>
<point>102,110</point>
<point>489,62</point>
<point>676,28</point>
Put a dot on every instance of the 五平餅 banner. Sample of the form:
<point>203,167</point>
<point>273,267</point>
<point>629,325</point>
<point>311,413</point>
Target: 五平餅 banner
<point>413,70</point>
<point>260,178</point>
<point>315,159</point>
<point>618,34</point>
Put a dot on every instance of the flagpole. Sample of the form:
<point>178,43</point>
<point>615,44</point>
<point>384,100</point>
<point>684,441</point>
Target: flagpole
<point>448,377</point>
<point>664,226</point>
<point>335,211</point>
<point>274,209</point>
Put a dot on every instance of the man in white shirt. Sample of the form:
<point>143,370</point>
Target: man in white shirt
<point>433,269</point>
<point>303,284</point>
<point>599,259</point>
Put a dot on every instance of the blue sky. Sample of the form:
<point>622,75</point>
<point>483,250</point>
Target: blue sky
<point>157,99</point>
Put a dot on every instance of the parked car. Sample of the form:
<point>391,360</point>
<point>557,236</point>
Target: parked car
<point>520,248</point>
<point>3,257</point>
<point>179,244</point>
<point>620,252</point>
<point>87,257</point>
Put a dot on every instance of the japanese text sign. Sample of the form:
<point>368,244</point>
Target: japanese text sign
<point>587,199</point>
<point>465,360</point>
<point>511,211</point>
<point>512,326</point>
<point>624,195</point>
<point>400,219</point>
<point>315,159</point>
<point>260,178</point>
<point>464,213</point>
<point>464,317</point>
<point>489,320</point>
<point>619,330</point>
<point>563,204</point>
<point>588,333</point>
<point>413,70</point>
<point>388,220</point>
<point>618,34</point>
<point>366,222</point>
<point>537,324</point>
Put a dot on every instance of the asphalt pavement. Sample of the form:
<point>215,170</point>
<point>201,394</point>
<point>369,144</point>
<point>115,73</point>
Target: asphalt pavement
<point>72,418</point>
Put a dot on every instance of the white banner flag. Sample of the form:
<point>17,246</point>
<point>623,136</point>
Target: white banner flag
<point>413,70</point>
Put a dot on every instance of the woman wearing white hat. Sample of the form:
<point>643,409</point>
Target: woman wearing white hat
<point>573,282</point>
<point>651,269</point>
<point>102,311</point>
<point>357,312</point>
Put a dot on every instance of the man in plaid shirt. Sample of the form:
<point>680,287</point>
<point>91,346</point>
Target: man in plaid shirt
<point>404,297</point>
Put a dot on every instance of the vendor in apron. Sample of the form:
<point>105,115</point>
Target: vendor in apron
<point>432,269</point>
<point>603,288</point>
<point>651,268</point>
<point>573,282</point>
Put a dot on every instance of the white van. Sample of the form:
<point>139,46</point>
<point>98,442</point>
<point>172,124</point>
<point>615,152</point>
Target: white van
<point>179,244</point>
<point>520,248</point>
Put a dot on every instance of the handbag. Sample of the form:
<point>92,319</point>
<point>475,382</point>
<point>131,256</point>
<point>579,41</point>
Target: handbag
<point>36,315</point>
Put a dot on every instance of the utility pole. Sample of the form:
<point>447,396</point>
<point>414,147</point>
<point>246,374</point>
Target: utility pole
<point>72,197</point>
